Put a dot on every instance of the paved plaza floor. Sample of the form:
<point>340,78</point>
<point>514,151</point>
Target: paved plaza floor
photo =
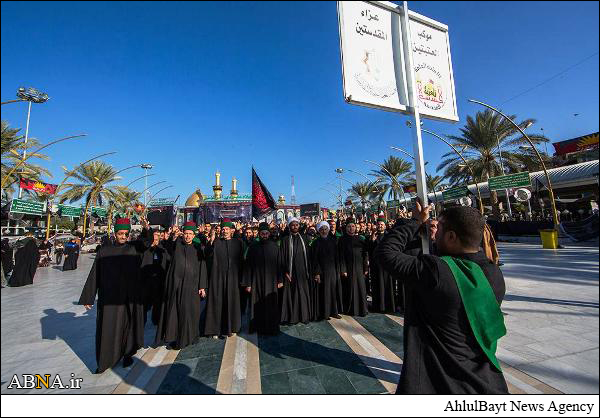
<point>551,313</point>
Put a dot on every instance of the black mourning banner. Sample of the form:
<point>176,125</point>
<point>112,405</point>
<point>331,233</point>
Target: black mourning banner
<point>310,209</point>
<point>262,201</point>
<point>162,215</point>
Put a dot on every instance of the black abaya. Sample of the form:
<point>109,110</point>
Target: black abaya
<point>354,262</point>
<point>26,264</point>
<point>115,277</point>
<point>223,311</point>
<point>262,273</point>
<point>325,263</point>
<point>180,311</point>
<point>382,282</point>
<point>71,253</point>
<point>296,295</point>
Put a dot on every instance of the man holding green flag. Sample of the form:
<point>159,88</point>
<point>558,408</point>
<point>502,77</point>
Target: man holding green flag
<point>452,317</point>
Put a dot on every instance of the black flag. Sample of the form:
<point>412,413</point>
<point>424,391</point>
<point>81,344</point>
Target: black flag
<point>262,201</point>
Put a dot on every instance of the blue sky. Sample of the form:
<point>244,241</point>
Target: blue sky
<point>196,87</point>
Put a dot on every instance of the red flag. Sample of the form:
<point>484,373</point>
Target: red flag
<point>38,186</point>
<point>262,201</point>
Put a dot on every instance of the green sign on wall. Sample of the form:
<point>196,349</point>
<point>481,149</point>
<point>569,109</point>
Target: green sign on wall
<point>455,193</point>
<point>510,181</point>
<point>27,207</point>
<point>72,211</point>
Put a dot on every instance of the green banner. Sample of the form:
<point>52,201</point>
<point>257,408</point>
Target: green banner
<point>72,211</point>
<point>100,211</point>
<point>27,207</point>
<point>510,181</point>
<point>455,193</point>
<point>393,203</point>
<point>163,201</point>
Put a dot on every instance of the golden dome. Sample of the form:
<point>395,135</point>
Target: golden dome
<point>195,199</point>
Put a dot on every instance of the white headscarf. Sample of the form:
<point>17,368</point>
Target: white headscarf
<point>293,219</point>
<point>323,224</point>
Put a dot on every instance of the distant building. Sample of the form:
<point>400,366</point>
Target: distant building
<point>235,206</point>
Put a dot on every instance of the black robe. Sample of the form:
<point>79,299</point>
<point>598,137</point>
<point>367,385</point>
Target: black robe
<point>354,261</point>
<point>441,354</point>
<point>180,310</point>
<point>115,277</point>
<point>262,273</point>
<point>26,263</point>
<point>155,264</point>
<point>325,263</point>
<point>7,258</point>
<point>383,285</point>
<point>71,253</point>
<point>296,301</point>
<point>223,312</point>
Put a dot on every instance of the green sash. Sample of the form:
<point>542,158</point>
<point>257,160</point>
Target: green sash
<point>483,311</point>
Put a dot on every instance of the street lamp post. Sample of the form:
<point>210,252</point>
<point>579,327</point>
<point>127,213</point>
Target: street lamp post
<point>146,167</point>
<point>30,95</point>
<point>340,171</point>
<point>503,173</point>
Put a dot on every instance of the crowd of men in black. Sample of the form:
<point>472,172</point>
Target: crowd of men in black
<point>198,281</point>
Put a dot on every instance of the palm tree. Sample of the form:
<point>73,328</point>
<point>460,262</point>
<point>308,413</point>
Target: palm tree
<point>393,174</point>
<point>124,199</point>
<point>13,145</point>
<point>361,191</point>
<point>528,160</point>
<point>95,178</point>
<point>434,183</point>
<point>478,143</point>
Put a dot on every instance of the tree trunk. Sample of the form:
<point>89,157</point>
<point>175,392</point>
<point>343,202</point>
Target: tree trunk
<point>495,204</point>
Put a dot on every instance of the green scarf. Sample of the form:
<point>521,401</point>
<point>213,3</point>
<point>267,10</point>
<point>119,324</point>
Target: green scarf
<point>481,306</point>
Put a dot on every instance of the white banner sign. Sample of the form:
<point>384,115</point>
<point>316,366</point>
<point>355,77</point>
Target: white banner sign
<point>371,45</point>
<point>373,60</point>
<point>433,68</point>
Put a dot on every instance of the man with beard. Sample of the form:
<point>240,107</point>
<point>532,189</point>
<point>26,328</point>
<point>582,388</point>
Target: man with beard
<point>27,258</point>
<point>354,267</point>
<point>453,319</point>
<point>155,263</point>
<point>326,271</point>
<point>382,282</point>
<point>223,311</point>
<point>297,304</point>
<point>179,323</point>
<point>71,253</point>
<point>262,279</point>
<point>115,277</point>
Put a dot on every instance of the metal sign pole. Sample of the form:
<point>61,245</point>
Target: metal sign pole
<point>414,107</point>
